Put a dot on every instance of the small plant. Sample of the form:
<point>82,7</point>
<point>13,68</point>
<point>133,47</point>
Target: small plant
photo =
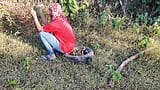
<point>13,84</point>
<point>27,62</point>
<point>143,19</point>
<point>103,18</point>
<point>116,76</point>
<point>96,45</point>
<point>145,41</point>
<point>140,71</point>
<point>117,22</point>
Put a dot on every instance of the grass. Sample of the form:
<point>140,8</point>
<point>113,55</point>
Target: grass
<point>142,74</point>
<point>14,48</point>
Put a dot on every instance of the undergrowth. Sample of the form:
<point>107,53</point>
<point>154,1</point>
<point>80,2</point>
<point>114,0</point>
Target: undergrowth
<point>113,39</point>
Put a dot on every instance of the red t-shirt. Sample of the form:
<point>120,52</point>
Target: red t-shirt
<point>63,31</point>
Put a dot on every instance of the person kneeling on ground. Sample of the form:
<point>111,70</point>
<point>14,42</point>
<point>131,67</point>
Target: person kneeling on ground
<point>56,35</point>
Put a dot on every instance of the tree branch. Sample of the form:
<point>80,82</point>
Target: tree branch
<point>125,62</point>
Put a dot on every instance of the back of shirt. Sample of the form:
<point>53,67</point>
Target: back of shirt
<point>63,31</point>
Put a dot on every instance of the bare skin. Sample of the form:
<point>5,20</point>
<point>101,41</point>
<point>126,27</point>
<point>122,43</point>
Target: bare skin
<point>44,20</point>
<point>38,25</point>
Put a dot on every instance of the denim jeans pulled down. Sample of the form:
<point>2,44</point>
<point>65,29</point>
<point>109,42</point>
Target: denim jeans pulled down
<point>50,42</point>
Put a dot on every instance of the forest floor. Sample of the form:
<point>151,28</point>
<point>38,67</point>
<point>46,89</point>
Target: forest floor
<point>22,68</point>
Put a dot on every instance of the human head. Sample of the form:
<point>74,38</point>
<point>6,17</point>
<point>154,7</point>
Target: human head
<point>55,10</point>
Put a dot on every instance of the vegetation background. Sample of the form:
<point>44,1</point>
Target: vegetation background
<point>114,29</point>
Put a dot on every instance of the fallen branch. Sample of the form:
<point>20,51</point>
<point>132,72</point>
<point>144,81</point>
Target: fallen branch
<point>125,62</point>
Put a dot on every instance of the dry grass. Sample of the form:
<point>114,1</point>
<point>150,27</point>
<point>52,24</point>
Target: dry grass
<point>14,48</point>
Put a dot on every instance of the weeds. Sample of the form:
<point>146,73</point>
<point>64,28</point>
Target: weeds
<point>13,84</point>
<point>145,41</point>
<point>27,63</point>
<point>103,18</point>
<point>117,23</point>
<point>116,76</point>
<point>96,45</point>
<point>142,18</point>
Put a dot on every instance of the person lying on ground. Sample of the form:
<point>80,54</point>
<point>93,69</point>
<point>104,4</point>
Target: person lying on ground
<point>56,35</point>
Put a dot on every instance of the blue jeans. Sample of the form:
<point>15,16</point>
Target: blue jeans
<point>50,42</point>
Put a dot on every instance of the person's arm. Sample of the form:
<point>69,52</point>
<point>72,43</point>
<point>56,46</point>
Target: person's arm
<point>38,25</point>
<point>44,20</point>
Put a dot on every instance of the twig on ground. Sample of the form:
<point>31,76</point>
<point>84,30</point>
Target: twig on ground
<point>125,62</point>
